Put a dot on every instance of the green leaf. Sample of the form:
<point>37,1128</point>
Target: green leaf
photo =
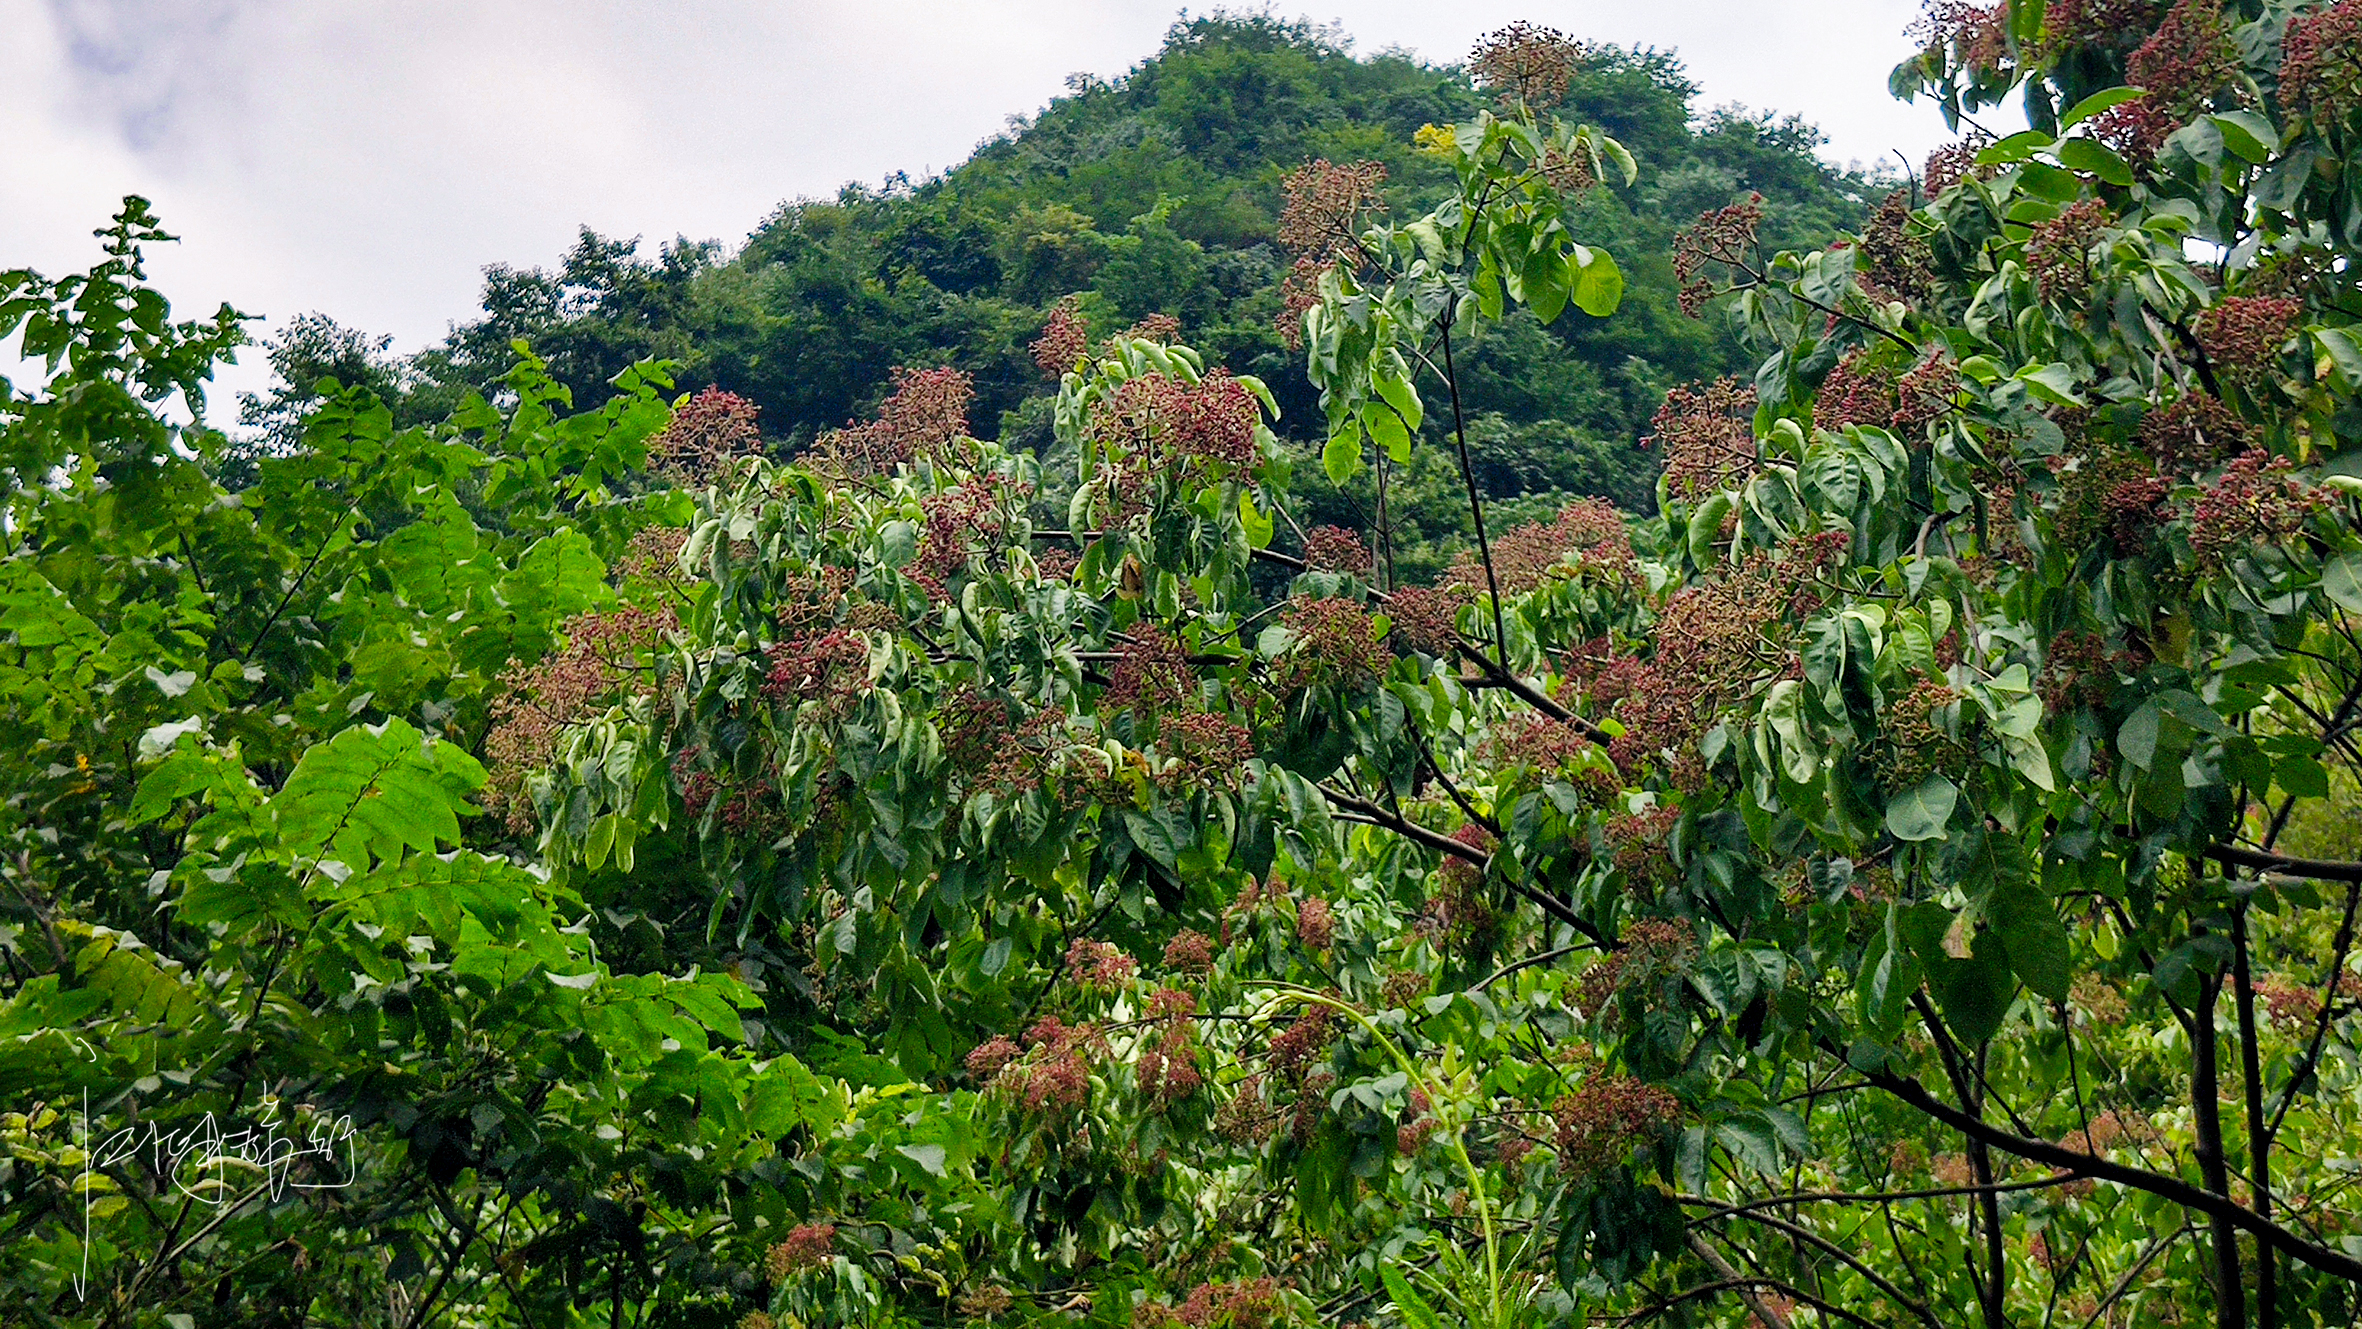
<point>2093,157</point>
<point>1387,431</point>
<point>1705,525</point>
<point>927,1156</point>
<point>2341,581</point>
<point>1599,284</point>
<point>1341,456</point>
<point>372,792</point>
<point>1408,1303</point>
<point>1922,813</point>
<point>2096,103</point>
<point>1975,994</point>
<point>2034,938</point>
<point>1401,394</point>
<point>2018,147</point>
<point>1890,974</point>
<point>1259,527</point>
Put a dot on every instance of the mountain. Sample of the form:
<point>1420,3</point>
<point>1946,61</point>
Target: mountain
<point>1158,192</point>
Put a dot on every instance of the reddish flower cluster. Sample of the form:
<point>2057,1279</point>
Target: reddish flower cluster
<point>1653,949</point>
<point>1718,239</point>
<point>987,1302</point>
<point>2107,23</point>
<point>1065,339</point>
<point>2321,62</point>
<point>1167,1069</point>
<point>986,1059</point>
<point>2132,510</point>
<point>1207,751</point>
<point>1322,218</point>
<point>1189,952</point>
<point>1151,675</point>
<point>1707,433</point>
<point>1569,174</point>
<point>2187,59</point>
<point>1162,329</point>
<point>1923,395</point>
<point>1052,1077</point>
<point>1859,391</point>
<point>1956,161</point>
<point>1425,618</point>
<point>2091,490</point>
<point>1316,923</point>
<point>2080,670</point>
<point>1336,646</point>
<point>1099,964</point>
<point>2242,335</point>
<point>955,519</point>
<point>1292,1050</point>
<point>2058,254</point>
<point>654,555</point>
<point>1257,1303</point>
<point>1590,530</point>
<point>809,599</point>
<point>1524,63</point>
<point>601,658</point>
<point>1599,1124</point>
<point>1299,291</point>
<point>1532,741</point>
<point>1210,423</point>
<point>819,679</point>
<point>2137,128</point>
<point>1402,987</point>
<point>808,1246</point>
<point>1975,35</point>
<point>2298,1003</point>
<point>1336,549</point>
<point>926,411</point>
<point>709,432</point>
<point>1457,911</point>
<point>1898,259</point>
<point>1419,1122</point>
<point>2253,502</point>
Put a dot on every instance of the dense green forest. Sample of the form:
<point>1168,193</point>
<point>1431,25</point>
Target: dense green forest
<point>1159,192</point>
<point>1291,821</point>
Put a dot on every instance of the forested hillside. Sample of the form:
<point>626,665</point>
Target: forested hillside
<point>1159,192</point>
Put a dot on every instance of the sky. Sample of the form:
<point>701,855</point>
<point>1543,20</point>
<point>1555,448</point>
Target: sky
<point>368,159</point>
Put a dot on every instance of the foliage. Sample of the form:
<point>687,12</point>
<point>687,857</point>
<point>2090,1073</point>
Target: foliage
<point>1861,887</point>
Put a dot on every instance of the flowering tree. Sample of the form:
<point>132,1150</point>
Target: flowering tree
<point>1900,882</point>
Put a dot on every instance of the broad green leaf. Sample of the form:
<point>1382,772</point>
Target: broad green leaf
<point>1922,812</point>
<point>2341,581</point>
<point>1341,456</point>
<point>1599,284</point>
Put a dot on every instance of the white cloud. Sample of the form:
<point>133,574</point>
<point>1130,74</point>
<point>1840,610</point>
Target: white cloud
<point>368,159</point>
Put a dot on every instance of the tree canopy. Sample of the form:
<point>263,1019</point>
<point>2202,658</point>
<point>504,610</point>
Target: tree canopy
<point>1904,875</point>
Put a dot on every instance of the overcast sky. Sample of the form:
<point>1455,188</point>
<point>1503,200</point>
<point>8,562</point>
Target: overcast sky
<point>368,159</point>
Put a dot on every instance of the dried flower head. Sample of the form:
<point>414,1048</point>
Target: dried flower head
<point>1336,549</point>
<point>708,432</point>
<point>1189,952</point>
<point>921,418</point>
<point>1316,923</point>
<point>1525,64</point>
<point>1719,239</point>
<point>1426,618</point>
<point>807,1246</point>
<point>2058,253</point>
<point>1325,203</point>
<point>1957,161</point>
<point>1065,340</point>
<point>1336,646</point>
<point>1601,1122</point>
<point>1976,36</point>
<point>2319,69</point>
<point>2187,59</point>
<point>1707,435</point>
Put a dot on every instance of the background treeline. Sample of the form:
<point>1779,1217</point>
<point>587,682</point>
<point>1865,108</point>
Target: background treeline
<point>1157,192</point>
